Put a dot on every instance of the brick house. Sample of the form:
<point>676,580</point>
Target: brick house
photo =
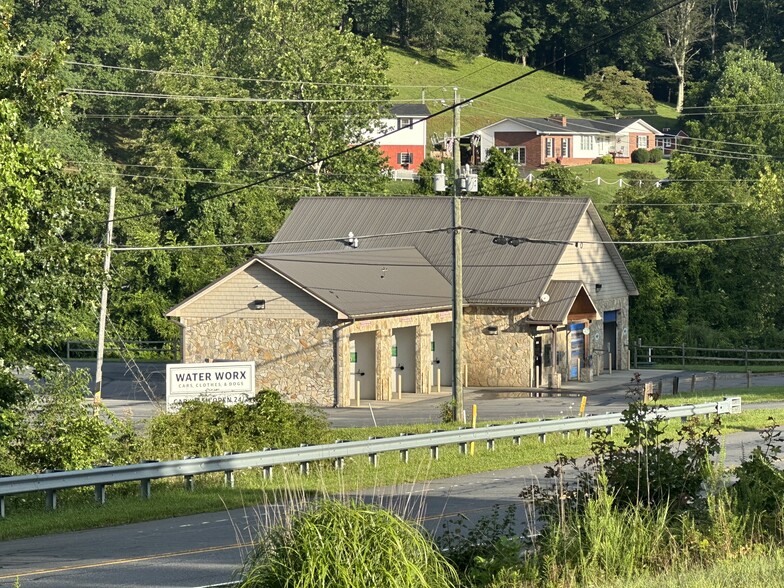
<point>330,319</point>
<point>535,142</point>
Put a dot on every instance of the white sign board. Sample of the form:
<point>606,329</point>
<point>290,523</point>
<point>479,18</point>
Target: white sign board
<point>230,382</point>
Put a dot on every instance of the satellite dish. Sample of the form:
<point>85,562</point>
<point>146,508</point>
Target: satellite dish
<point>545,297</point>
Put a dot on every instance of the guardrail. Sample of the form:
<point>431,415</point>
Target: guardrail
<point>144,473</point>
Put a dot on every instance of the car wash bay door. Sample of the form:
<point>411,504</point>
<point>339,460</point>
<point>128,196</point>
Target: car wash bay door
<point>363,366</point>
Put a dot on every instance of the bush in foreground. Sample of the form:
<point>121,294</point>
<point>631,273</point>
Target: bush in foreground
<point>346,545</point>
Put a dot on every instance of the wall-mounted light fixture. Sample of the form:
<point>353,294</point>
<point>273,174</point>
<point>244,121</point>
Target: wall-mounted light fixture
<point>492,330</point>
<point>258,304</point>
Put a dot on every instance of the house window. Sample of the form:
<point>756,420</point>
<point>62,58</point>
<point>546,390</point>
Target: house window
<point>667,142</point>
<point>402,123</point>
<point>548,147</point>
<point>642,141</point>
<point>564,147</point>
<point>586,143</point>
<point>516,153</point>
<point>405,158</point>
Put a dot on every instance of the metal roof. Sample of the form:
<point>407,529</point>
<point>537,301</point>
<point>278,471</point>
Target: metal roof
<point>362,282</point>
<point>409,110</point>
<point>492,274</point>
<point>578,125</point>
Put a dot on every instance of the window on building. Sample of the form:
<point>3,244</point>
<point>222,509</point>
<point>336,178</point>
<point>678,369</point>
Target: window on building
<point>516,153</point>
<point>642,141</point>
<point>586,143</point>
<point>667,142</point>
<point>548,147</point>
<point>405,158</point>
<point>402,123</point>
<point>565,148</point>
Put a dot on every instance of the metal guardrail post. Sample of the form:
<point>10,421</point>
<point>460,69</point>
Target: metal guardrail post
<point>100,493</point>
<point>145,488</point>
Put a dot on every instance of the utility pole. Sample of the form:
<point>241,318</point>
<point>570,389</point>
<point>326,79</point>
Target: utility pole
<point>457,272</point>
<point>104,300</point>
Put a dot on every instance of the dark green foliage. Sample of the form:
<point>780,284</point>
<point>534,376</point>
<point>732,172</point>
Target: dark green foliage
<point>500,176</point>
<point>556,180</point>
<point>618,89</point>
<point>640,156</point>
<point>431,166</point>
<point>484,550</point>
<point>759,488</point>
<point>210,428</point>
<point>655,155</point>
<point>56,427</point>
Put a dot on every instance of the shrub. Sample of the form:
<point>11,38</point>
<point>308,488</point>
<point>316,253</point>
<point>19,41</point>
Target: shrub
<point>429,167</point>
<point>640,156</point>
<point>345,545</point>
<point>210,428</point>
<point>605,159</point>
<point>57,427</point>
<point>556,180</point>
<point>651,469</point>
<point>655,155</point>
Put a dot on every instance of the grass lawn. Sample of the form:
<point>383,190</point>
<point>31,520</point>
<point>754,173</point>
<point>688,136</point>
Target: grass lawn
<point>604,192</point>
<point>540,95</point>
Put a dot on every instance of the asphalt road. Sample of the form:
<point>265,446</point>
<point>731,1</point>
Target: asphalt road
<point>207,549</point>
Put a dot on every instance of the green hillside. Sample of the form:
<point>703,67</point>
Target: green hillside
<point>541,94</point>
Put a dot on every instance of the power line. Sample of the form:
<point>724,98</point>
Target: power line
<point>341,239</point>
<point>449,108</point>
<point>238,78</point>
<point>240,99</point>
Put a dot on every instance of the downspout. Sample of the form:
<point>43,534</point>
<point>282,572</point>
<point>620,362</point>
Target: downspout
<point>338,364</point>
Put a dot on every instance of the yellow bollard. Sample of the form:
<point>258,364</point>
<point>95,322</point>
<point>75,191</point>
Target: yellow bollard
<point>399,386</point>
<point>473,424</point>
<point>359,392</point>
<point>438,380</point>
<point>582,405</point>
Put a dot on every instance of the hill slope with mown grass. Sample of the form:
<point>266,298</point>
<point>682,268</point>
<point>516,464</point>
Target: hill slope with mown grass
<point>539,95</point>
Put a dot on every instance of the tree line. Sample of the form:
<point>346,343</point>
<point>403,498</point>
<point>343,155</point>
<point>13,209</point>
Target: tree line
<point>666,50</point>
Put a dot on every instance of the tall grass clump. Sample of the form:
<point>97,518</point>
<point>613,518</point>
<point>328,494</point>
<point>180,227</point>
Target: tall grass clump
<point>345,544</point>
<point>602,542</point>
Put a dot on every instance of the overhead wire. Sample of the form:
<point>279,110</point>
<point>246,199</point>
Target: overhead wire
<point>240,78</point>
<point>448,108</point>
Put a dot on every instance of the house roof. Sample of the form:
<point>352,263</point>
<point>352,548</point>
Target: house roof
<point>492,274</point>
<point>577,126</point>
<point>409,110</point>
<point>361,283</point>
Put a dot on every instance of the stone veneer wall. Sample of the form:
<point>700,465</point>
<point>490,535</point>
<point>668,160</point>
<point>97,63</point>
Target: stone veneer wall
<point>293,356</point>
<point>503,359</point>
